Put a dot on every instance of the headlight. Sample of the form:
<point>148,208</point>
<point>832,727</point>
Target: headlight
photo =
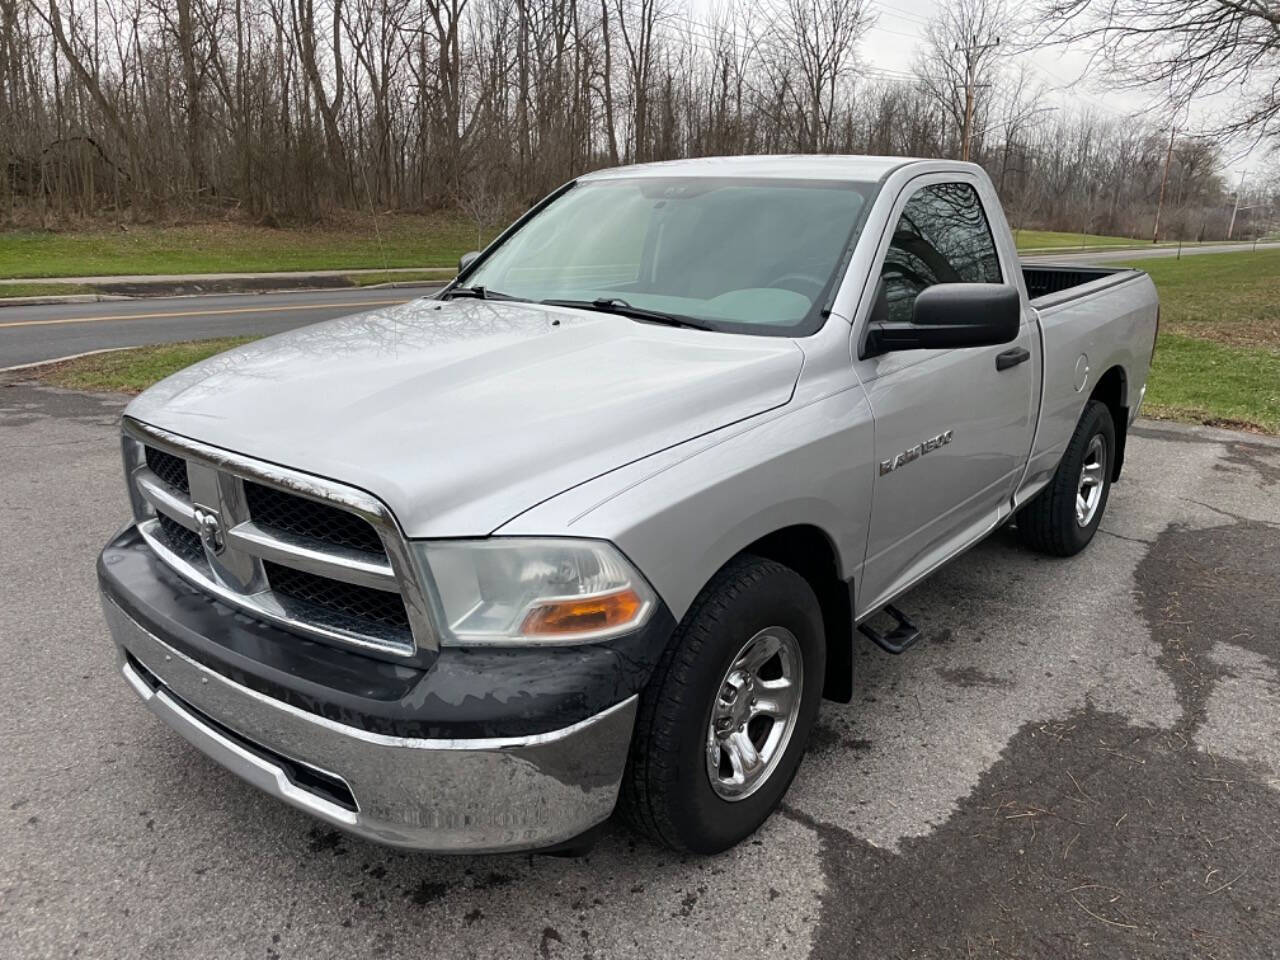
<point>514,591</point>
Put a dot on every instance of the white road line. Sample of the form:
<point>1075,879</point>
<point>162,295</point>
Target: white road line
<point>70,356</point>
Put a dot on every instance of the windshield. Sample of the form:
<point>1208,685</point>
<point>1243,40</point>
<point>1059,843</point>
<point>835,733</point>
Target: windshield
<point>739,255</point>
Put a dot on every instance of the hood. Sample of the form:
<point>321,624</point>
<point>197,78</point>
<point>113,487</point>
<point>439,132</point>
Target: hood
<point>462,414</point>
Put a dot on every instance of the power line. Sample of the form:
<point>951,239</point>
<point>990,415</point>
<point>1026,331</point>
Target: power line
<point>902,14</point>
<point>896,33</point>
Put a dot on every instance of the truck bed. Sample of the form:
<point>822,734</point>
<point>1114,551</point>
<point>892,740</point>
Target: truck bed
<point>1104,317</point>
<point>1050,284</point>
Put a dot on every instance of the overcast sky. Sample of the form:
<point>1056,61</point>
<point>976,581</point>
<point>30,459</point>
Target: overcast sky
<point>892,44</point>
<point>891,48</point>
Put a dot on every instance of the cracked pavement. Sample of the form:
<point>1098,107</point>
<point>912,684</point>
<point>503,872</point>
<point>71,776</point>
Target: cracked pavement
<point>1081,760</point>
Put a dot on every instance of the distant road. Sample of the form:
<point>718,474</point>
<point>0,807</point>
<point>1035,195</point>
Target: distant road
<point>1103,255</point>
<point>29,334</point>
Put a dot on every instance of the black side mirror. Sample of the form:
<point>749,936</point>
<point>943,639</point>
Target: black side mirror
<point>952,315</point>
<point>466,260</point>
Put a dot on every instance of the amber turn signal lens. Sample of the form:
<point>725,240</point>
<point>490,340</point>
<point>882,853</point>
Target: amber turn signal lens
<point>584,615</point>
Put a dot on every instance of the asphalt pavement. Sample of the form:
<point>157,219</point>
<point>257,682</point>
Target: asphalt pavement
<point>30,334</point>
<point>1082,759</point>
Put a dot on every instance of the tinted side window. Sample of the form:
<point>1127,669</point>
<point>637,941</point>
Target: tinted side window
<point>942,237</point>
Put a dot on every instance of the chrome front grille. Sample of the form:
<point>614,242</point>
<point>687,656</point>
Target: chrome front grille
<point>170,469</point>
<point>185,543</point>
<point>289,514</point>
<point>319,558</point>
<point>333,602</point>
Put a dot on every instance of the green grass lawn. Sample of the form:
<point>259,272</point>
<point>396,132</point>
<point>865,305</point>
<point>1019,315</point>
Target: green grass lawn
<point>38,289</point>
<point>1231,298</point>
<point>1052,239</point>
<point>390,240</point>
<point>435,240</point>
<point>135,369</point>
<point>1218,357</point>
<point>1205,382</point>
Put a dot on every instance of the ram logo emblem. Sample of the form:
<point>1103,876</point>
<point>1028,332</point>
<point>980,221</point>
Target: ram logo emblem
<point>915,453</point>
<point>209,527</point>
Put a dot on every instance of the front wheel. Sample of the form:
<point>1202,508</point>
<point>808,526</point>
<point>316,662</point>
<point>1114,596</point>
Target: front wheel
<point>1063,517</point>
<point>724,721</point>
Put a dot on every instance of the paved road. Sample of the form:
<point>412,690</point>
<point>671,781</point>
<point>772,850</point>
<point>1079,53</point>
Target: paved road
<point>1151,253</point>
<point>30,334</point>
<point>1081,760</point>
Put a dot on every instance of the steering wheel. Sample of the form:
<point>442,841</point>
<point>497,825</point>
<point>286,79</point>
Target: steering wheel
<point>802,283</point>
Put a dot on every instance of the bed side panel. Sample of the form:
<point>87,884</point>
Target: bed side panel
<point>1095,330</point>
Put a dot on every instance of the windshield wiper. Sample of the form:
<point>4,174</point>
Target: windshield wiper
<point>617,305</point>
<point>479,293</point>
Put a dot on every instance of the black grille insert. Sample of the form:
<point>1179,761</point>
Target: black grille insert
<point>172,470</point>
<point>185,543</point>
<point>307,518</point>
<point>338,604</point>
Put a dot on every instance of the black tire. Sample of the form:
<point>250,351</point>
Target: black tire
<point>1048,523</point>
<point>666,791</point>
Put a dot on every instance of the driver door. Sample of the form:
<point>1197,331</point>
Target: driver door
<point>952,431</point>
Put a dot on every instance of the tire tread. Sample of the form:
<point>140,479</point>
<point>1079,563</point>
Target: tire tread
<point>1043,523</point>
<point>650,776</point>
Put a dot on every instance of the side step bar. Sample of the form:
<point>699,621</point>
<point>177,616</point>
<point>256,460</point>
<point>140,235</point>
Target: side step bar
<point>897,640</point>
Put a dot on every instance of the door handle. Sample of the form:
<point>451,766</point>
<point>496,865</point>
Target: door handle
<point>1011,358</point>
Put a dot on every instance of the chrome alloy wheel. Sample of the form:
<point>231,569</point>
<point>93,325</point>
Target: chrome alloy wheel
<point>1092,480</point>
<point>755,712</point>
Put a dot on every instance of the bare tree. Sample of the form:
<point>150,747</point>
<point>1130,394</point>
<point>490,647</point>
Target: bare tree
<point>73,50</point>
<point>308,108</point>
<point>638,24</point>
<point>1184,49</point>
<point>812,58</point>
<point>305,36</point>
<point>958,62</point>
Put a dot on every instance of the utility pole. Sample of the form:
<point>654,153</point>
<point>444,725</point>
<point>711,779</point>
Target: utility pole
<point>1236,209</point>
<point>1164,181</point>
<point>973,54</point>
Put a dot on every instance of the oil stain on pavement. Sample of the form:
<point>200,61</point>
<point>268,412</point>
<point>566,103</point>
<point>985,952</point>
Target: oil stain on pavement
<point>1095,837</point>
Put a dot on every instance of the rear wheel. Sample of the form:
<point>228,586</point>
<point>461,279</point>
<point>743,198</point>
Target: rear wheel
<point>1063,517</point>
<point>724,721</point>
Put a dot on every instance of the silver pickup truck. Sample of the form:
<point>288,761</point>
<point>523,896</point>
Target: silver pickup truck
<point>598,525</point>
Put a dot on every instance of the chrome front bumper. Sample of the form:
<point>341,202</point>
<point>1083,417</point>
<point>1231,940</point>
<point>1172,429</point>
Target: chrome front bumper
<point>445,796</point>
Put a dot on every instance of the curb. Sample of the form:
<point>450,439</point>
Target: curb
<point>403,284</point>
<point>56,298</point>
<point>170,290</point>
